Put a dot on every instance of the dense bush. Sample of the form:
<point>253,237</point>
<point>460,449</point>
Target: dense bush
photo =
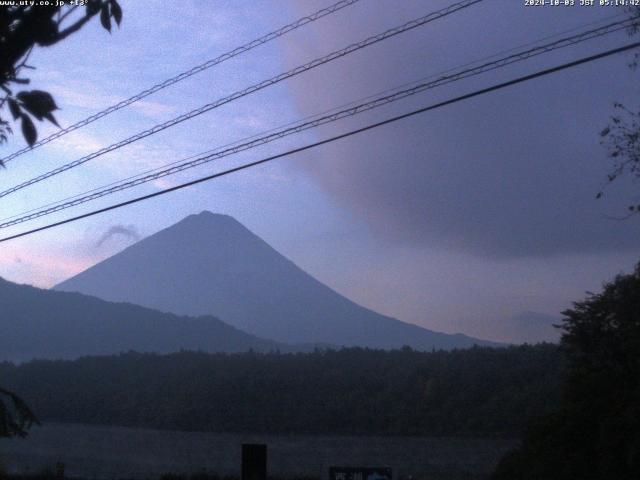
<point>595,432</point>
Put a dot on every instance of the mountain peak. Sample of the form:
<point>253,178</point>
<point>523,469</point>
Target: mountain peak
<point>207,216</point>
<point>211,264</point>
<point>205,228</point>
<point>209,219</point>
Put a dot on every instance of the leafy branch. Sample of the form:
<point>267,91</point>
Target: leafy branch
<point>621,137</point>
<point>15,416</point>
<point>21,29</point>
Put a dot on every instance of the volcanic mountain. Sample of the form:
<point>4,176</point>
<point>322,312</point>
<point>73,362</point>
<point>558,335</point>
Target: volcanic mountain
<point>210,264</point>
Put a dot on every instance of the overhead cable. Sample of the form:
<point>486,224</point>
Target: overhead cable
<point>186,74</point>
<point>476,93</point>
<point>197,160</point>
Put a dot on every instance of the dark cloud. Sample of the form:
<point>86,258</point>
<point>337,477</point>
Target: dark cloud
<point>513,173</point>
<point>128,231</point>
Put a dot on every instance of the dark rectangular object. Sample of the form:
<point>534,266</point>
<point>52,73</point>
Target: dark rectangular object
<point>360,473</point>
<point>254,461</point>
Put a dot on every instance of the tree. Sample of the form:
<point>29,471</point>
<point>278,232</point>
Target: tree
<point>596,432</point>
<point>621,137</point>
<point>15,415</point>
<point>22,28</point>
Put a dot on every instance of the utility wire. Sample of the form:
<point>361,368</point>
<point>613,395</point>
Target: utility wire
<point>308,117</point>
<point>253,142</point>
<point>252,89</point>
<point>235,142</point>
<point>335,138</point>
<point>243,139</point>
<point>197,69</point>
<point>581,37</point>
<point>414,82</point>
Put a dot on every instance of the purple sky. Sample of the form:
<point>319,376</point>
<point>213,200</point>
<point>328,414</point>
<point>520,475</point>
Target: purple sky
<point>454,220</point>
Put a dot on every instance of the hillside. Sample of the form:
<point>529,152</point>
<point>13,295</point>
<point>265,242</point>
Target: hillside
<point>37,323</point>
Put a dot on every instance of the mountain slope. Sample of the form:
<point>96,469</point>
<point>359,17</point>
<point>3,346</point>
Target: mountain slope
<point>38,323</point>
<point>211,264</point>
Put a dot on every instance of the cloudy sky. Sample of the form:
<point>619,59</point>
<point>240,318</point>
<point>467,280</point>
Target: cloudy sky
<point>453,220</point>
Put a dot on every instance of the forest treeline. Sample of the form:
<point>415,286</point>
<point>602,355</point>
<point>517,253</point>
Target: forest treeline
<point>470,392</point>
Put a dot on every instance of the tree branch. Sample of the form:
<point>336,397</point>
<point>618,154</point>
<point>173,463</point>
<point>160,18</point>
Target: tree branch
<point>73,28</point>
<point>66,14</point>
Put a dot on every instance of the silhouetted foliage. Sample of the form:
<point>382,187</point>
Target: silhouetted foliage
<point>595,434</point>
<point>22,28</point>
<point>621,137</point>
<point>472,392</point>
<point>15,415</point>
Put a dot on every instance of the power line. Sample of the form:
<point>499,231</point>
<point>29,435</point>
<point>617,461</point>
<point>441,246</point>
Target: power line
<point>353,102</point>
<point>252,89</point>
<point>252,142</point>
<point>335,138</point>
<point>362,99</point>
<point>189,73</point>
